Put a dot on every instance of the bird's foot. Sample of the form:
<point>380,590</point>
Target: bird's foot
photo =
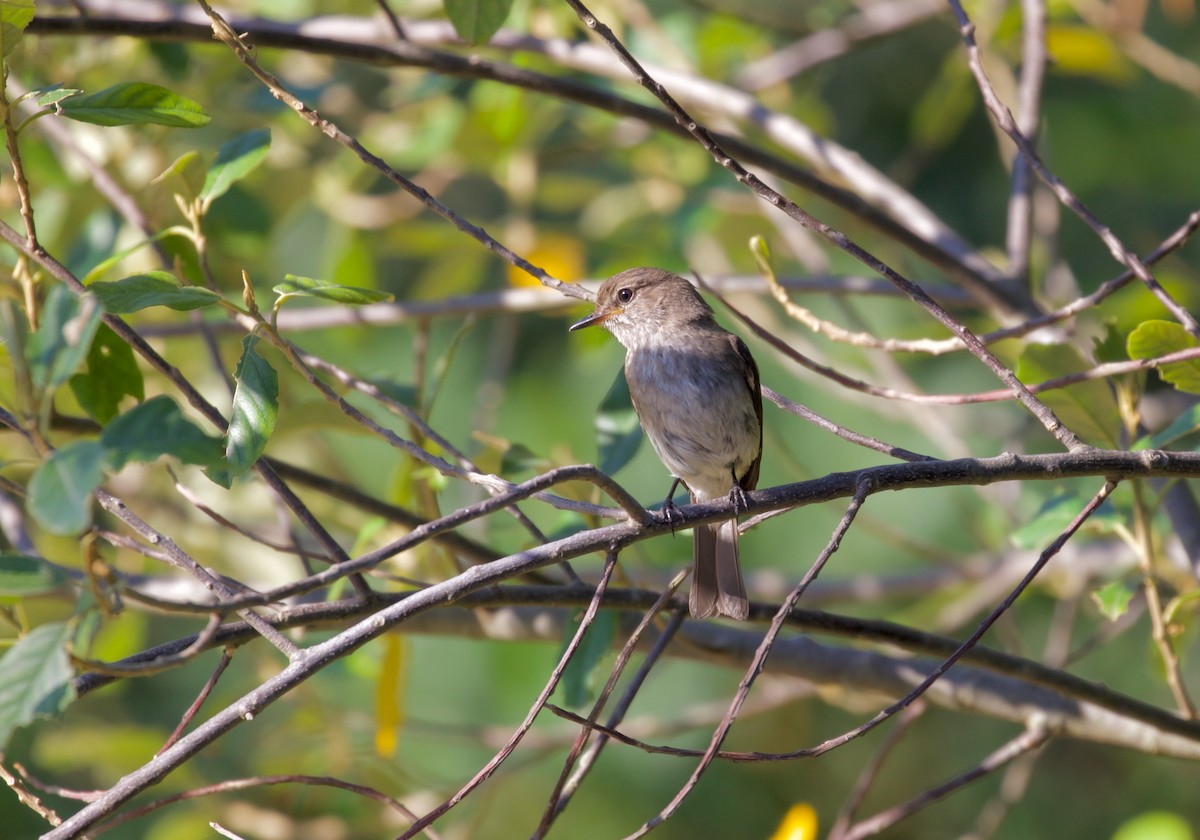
<point>669,513</point>
<point>739,499</point>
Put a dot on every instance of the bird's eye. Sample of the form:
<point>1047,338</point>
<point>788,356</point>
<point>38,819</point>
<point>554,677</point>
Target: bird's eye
<point>625,295</point>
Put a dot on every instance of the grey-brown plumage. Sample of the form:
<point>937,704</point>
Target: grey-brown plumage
<point>695,388</point>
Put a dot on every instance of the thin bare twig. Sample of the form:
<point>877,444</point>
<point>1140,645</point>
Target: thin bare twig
<point>569,782</point>
<point>1004,119</point>
<point>488,769</point>
<point>1019,232</point>
<point>760,658</point>
<point>1040,410</point>
<point>1023,744</point>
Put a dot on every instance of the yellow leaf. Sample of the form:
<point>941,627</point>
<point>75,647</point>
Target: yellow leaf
<point>560,256</point>
<point>1084,51</point>
<point>799,823</point>
<point>389,696</point>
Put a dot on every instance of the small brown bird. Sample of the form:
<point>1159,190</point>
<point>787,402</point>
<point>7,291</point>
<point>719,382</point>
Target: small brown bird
<point>695,388</point>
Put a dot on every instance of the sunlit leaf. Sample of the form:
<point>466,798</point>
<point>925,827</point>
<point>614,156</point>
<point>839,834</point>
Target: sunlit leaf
<point>294,286</point>
<point>389,695</point>
<point>799,823</point>
<point>15,15</point>
<point>54,95</point>
<point>1087,51</point>
<point>1113,599</point>
<point>1158,338</point>
<point>235,160</point>
<point>560,256</point>
<point>154,288</point>
<point>135,103</point>
<point>1155,825</point>
<point>60,492</point>
<point>37,678</point>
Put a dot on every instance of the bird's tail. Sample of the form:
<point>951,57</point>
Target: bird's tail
<point>717,584</point>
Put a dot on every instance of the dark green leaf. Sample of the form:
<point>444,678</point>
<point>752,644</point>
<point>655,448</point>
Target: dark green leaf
<point>22,576</point>
<point>1087,408</point>
<point>577,676</point>
<point>157,427</point>
<point>618,433</point>
<point>135,103</point>
<point>1158,338</point>
<point>476,21</point>
<point>14,17</point>
<point>519,458</point>
<point>112,373</point>
<point>61,342</point>
<point>1113,599</point>
<point>37,678</point>
<point>1110,348</point>
<point>155,288</point>
<point>255,408</point>
<point>294,286</point>
<point>60,492</point>
<point>235,160</point>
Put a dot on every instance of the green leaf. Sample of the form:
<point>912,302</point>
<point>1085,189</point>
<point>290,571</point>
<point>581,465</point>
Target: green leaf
<point>1055,514</point>
<point>235,160</point>
<point>519,458</point>
<point>61,342</point>
<point>1087,408</point>
<point>51,96</point>
<point>1112,599</point>
<point>1183,425</point>
<point>155,288</point>
<point>294,286</point>
<point>60,492</point>
<point>37,678</point>
<point>22,576</point>
<point>618,432</point>
<point>157,427</point>
<point>112,374</point>
<point>476,21</point>
<point>1158,338</point>
<point>1155,825</point>
<point>14,17</point>
<point>187,172</point>
<point>577,676</point>
<point>255,408</point>
<point>135,103</point>
<point>1110,348</point>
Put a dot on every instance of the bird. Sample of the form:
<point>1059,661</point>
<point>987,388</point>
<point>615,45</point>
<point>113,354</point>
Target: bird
<point>696,390</point>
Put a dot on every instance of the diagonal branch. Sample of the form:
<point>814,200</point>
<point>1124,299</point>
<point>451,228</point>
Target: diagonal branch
<point>1036,407</point>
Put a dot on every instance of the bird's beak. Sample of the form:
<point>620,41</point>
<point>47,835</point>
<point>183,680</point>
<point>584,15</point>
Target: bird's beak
<point>597,317</point>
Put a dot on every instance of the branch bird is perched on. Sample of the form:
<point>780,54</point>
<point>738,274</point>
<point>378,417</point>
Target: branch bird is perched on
<point>696,391</point>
